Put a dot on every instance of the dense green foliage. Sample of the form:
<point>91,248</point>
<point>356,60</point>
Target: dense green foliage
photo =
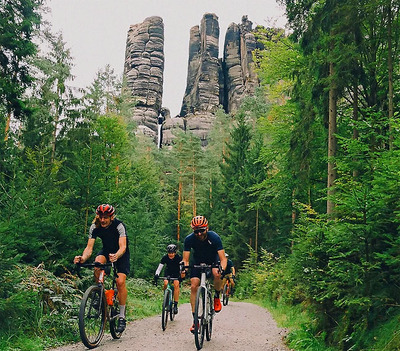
<point>262,181</point>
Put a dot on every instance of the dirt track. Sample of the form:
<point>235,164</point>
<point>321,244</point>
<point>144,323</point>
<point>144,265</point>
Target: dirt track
<point>239,326</point>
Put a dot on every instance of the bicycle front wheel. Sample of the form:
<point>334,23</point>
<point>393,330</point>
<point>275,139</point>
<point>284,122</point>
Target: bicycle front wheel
<point>210,314</point>
<point>225,294</point>
<point>165,308</point>
<point>200,317</point>
<point>114,315</point>
<point>92,317</point>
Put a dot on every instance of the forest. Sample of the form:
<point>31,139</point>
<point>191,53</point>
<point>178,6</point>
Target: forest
<point>302,183</point>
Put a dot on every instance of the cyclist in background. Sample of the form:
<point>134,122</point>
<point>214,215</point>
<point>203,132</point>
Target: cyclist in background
<point>207,248</point>
<point>172,261</point>
<point>112,233</point>
<point>230,273</point>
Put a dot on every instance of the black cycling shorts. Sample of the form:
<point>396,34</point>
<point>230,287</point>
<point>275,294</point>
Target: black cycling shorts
<point>123,263</point>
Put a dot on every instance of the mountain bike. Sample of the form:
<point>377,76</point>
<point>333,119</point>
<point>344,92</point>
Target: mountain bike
<point>204,306</point>
<point>168,300</point>
<point>226,292</point>
<point>98,305</point>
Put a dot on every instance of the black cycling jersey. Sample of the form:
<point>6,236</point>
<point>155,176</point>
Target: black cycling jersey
<point>204,251</point>
<point>229,266</point>
<point>172,266</point>
<point>110,239</point>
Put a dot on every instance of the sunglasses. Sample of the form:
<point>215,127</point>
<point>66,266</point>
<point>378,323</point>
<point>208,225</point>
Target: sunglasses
<point>199,231</point>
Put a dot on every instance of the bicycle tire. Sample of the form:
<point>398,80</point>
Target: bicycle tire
<point>114,315</point>
<point>165,308</point>
<point>199,317</point>
<point>171,311</point>
<point>225,294</point>
<point>92,320</point>
<point>210,313</point>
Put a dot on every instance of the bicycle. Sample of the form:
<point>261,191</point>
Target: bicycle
<point>204,306</point>
<point>98,305</point>
<point>226,292</point>
<point>167,306</point>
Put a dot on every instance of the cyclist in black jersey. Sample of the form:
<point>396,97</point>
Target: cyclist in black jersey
<point>207,248</point>
<point>230,273</point>
<point>172,260</point>
<point>112,233</point>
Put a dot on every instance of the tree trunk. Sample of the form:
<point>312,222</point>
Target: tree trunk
<point>179,209</point>
<point>88,191</point>
<point>355,119</point>
<point>390,73</point>
<point>332,143</point>
<point>7,129</point>
<point>56,119</point>
<point>256,239</point>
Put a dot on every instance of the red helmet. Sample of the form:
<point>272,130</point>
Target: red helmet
<point>199,222</point>
<point>105,209</point>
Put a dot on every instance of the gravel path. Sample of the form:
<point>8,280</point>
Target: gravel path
<point>240,326</point>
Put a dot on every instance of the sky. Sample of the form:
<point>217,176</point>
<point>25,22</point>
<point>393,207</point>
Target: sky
<point>95,31</point>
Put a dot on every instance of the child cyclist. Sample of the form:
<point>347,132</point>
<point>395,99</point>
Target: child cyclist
<point>172,259</point>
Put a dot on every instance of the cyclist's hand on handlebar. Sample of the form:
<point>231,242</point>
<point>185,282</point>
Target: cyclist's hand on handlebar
<point>113,257</point>
<point>78,259</point>
<point>156,279</point>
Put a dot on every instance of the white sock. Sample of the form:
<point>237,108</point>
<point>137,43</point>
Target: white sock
<point>122,311</point>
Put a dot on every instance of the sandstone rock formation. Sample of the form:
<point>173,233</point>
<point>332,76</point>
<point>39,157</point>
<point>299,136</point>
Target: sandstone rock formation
<point>144,71</point>
<point>240,77</point>
<point>203,80</point>
<point>212,83</point>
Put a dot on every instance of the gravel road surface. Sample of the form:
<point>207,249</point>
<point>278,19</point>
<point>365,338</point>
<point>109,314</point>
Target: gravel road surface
<point>240,326</point>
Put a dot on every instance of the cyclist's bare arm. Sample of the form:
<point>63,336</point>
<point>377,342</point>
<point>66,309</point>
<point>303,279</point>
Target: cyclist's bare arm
<point>222,258</point>
<point>185,258</point>
<point>86,253</point>
<point>122,248</point>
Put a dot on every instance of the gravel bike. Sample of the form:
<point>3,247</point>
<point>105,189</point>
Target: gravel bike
<point>168,300</point>
<point>226,292</point>
<point>204,306</point>
<point>98,305</point>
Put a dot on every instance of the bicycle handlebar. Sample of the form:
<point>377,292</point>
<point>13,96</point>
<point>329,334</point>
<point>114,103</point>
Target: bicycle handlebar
<point>204,266</point>
<point>102,266</point>
<point>168,278</point>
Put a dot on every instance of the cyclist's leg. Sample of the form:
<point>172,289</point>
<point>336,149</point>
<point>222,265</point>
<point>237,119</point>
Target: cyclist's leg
<point>165,284</point>
<point>122,290</point>
<point>100,258</point>
<point>176,290</point>
<point>123,268</point>
<point>194,285</point>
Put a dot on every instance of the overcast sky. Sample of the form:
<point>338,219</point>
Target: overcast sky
<point>96,32</point>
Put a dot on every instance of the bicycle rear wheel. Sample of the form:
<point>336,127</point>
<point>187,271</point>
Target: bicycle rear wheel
<point>165,308</point>
<point>114,315</point>
<point>225,294</point>
<point>92,317</point>
<point>200,317</point>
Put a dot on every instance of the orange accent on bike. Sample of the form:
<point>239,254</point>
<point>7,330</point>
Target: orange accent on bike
<point>109,296</point>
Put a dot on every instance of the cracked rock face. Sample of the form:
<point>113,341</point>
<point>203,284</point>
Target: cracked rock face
<point>144,71</point>
<point>203,79</point>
